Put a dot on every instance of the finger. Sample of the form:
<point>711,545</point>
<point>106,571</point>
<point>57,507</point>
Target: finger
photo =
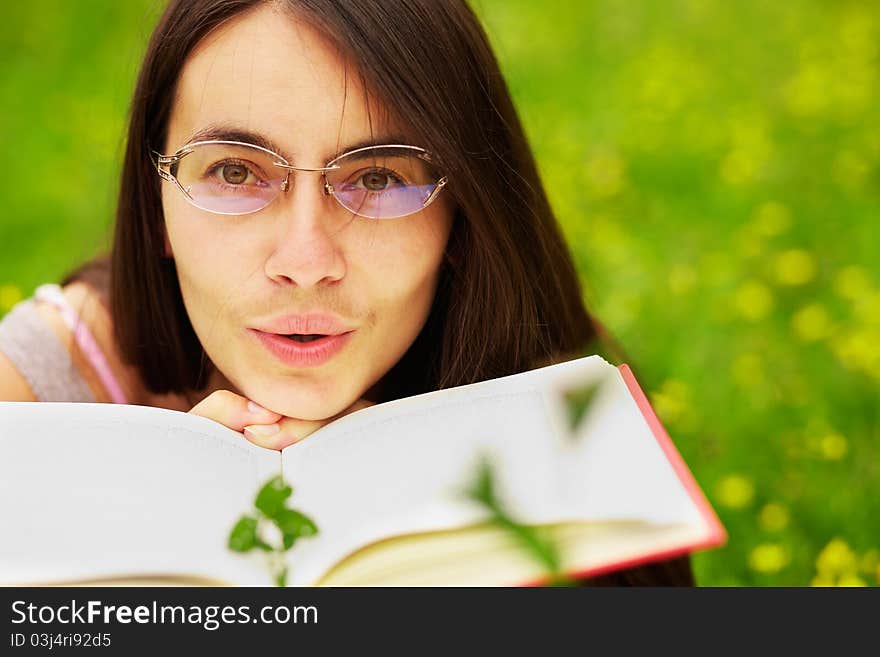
<point>288,431</point>
<point>280,434</point>
<point>233,411</point>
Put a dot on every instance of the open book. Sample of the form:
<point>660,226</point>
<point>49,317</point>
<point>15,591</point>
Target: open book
<point>102,493</point>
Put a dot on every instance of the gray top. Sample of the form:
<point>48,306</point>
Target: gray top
<point>44,362</point>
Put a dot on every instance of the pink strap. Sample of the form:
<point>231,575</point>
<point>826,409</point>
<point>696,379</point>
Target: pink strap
<point>52,293</point>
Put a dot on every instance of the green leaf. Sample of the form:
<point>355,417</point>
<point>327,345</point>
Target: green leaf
<point>483,488</point>
<point>532,540</point>
<point>270,500</point>
<point>243,536</point>
<point>541,547</point>
<point>271,507</point>
<point>578,402</point>
<point>294,525</point>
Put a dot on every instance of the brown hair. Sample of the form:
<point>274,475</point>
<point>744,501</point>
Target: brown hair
<point>508,297</point>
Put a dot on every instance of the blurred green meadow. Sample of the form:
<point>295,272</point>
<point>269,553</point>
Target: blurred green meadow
<point>716,168</point>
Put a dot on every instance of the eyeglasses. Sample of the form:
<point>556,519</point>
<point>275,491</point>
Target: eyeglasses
<point>234,178</point>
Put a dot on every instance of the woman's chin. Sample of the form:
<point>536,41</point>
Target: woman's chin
<point>302,406</point>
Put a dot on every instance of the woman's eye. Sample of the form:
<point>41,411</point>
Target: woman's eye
<point>234,174</point>
<point>378,181</point>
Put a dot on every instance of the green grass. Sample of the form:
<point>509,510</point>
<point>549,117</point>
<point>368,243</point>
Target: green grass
<point>715,168</point>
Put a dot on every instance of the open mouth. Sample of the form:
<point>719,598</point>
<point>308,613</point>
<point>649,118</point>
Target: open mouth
<point>303,349</point>
<point>311,337</point>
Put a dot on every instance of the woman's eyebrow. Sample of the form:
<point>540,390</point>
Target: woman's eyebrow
<point>232,133</point>
<point>381,140</point>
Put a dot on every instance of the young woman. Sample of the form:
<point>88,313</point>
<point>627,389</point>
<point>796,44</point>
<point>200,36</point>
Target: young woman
<point>323,205</point>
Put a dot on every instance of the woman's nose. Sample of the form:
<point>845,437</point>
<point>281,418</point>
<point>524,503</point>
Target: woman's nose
<point>307,235</point>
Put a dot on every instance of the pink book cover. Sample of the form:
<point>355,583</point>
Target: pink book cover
<point>715,535</point>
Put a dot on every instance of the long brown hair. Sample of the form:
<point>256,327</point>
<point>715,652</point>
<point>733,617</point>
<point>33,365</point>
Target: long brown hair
<point>508,297</point>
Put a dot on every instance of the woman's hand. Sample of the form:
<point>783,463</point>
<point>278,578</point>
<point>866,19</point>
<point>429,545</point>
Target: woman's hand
<point>261,426</point>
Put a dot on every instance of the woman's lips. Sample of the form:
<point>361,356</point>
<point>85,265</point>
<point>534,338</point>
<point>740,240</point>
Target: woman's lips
<point>302,354</point>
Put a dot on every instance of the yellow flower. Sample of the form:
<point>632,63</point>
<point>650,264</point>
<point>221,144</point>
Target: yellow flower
<point>870,561</point>
<point>851,580</point>
<point>771,219</point>
<point>833,446</point>
<point>735,491</point>
<point>9,296</point>
<point>740,166</point>
<point>773,517</point>
<point>795,267</point>
<point>836,558</point>
<point>671,401</point>
<point>753,300</point>
<point>822,580</point>
<point>859,349</point>
<point>811,323</point>
<point>768,558</point>
<point>853,282</point>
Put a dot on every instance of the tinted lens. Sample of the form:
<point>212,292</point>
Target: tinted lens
<point>229,179</point>
<point>383,182</point>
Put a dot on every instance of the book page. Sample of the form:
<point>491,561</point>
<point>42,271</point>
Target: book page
<point>105,490</point>
<point>614,467</point>
<point>403,466</point>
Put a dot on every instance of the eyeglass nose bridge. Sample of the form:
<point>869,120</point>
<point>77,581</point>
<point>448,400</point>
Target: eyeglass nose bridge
<point>285,184</point>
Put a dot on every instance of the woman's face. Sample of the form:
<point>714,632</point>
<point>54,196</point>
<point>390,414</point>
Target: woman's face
<point>303,254</point>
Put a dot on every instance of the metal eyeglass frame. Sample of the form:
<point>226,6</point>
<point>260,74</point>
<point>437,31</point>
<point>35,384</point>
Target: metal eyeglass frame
<point>163,164</point>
